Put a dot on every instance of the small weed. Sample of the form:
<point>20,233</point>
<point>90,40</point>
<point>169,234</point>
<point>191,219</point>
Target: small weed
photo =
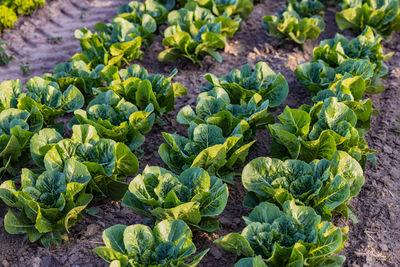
<point>83,11</point>
<point>54,39</point>
<point>25,68</point>
<point>4,58</point>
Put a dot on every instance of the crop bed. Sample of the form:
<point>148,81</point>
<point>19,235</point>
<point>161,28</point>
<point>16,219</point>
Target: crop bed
<point>373,241</point>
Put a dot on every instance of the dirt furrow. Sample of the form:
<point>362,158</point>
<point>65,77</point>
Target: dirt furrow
<point>47,37</point>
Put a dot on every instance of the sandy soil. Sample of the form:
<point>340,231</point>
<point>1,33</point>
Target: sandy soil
<point>374,241</point>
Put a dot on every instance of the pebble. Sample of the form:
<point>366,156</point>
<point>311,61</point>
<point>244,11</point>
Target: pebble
<point>49,261</point>
<point>91,230</point>
<point>384,247</point>
<point>5,263</point>
<point>216,253</point>
<point>387,149</point>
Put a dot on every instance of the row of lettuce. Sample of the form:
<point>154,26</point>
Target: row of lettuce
<point>10,9</point>
<point>302,20</point>
<point>194,30</point>
<point>319,155</point>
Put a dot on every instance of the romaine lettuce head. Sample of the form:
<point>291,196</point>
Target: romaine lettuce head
<point>207,148</point>
<point>117,119</point>
<point>107,48</point>
<point>231,8</point>
<point>48,203</point>
<point>16,129</point>
<point>292,26</point>
<point>293,235</point>
<point>108,162</point>
<point>324,185</point>
<point>365,46</point>
<point>194,196</point>
<point>318,75</point>
<point>194,33</point>
<point>48,98</point>
<point>328,127</point>
<point>168,244</point>
<point>214,107</point>
<point>241,85</point>
<point>136,11</point>
<point>140,88</point>
<point>78,73</point>
<point>382,16</point>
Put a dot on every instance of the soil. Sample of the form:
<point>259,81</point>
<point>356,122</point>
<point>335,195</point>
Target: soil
<point>374,241</point>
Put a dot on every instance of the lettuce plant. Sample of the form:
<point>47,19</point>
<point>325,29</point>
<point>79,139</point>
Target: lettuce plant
<point>108,162</point>
<point>382,16</point>
<point>78,73</point>
<point>241,85</point>
<point>232,8</point>
<point>365,46</point>
<point>214,107</point>
<point>117,43</point>
<point>194,33</point>
<point>350,90</point>
<point>140,88</point>
<point>47,97</point>
<point>16,129</point>
<point>361,56</point>
<point>292,26</point>
<point>207,148</point>
<point>10,92</point>
<point>137,11</point>
<point>7,18</point>
<point>48,202</point>
<point>306,8</point>
<point>168,244</point>
<point>293,236</point>
<point>241,95</point>
<point>24,7</point>
<point>318,75</point>
<point>117,119</point>
<point>324,185</point>
<point>329,126</point>
<point>194,196</point>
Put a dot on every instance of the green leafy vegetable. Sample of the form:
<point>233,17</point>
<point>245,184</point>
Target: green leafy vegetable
<point>318,75</point>
<point>329,126</point>
<point>16,129</point>
<point>207,148</point>
<point>324,185</point>
<point>47,97</point>
<point>214,107</point>
<point>168,244</point>
<point>117,119</point>
<point>232,8</point>
<point>299,22</point>
<point>365,46</point>
<point>241,85</point>
<point>293,236</point>
<point>117,43</point>
<point>142,89</point>
<point>195,32</point>
<point>48,203</point>
<point>137,11</point>
<point>194,196</point>
<point>108,162</point>
<point>7,18</point>
<point>382,16</point>
<point>78,73</point>
<point>24,7</point>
